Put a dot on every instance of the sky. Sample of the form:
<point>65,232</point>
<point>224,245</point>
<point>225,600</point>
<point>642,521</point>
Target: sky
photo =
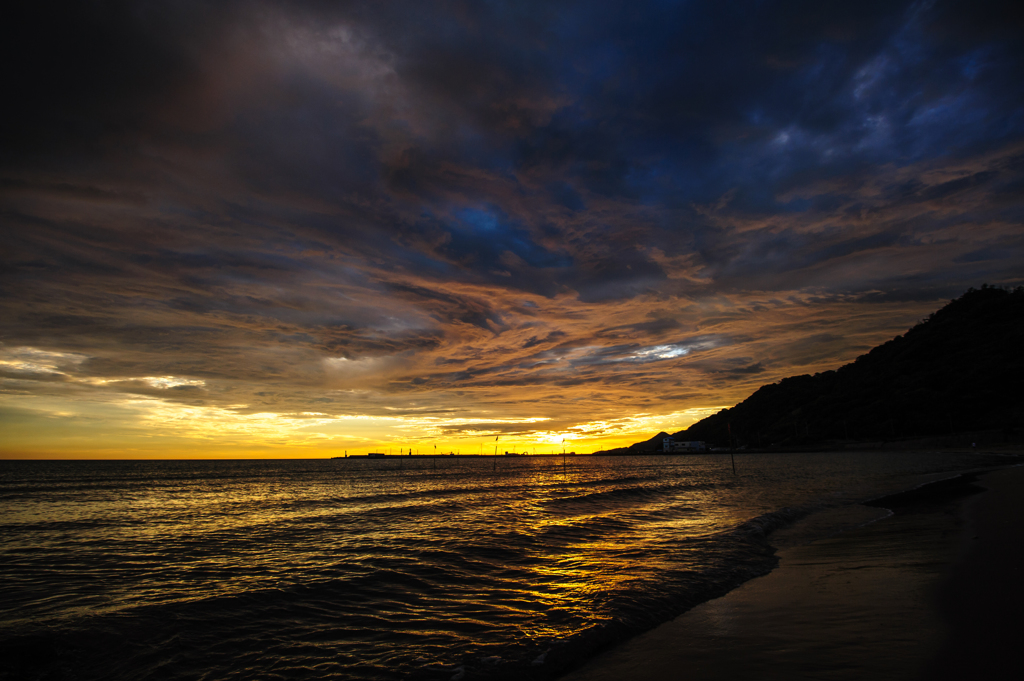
<point>305,229</point>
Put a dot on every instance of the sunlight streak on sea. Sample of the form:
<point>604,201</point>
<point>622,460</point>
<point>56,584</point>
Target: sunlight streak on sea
<point>402,567</point>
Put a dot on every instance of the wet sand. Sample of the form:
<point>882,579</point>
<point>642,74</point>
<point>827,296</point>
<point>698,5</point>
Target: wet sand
<point>982,598</point>
<point>932,592</point>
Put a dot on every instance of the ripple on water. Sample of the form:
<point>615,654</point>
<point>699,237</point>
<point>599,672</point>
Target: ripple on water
<point>367,569</point>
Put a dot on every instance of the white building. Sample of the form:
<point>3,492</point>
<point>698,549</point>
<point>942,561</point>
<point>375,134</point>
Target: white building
<point>669,444</point>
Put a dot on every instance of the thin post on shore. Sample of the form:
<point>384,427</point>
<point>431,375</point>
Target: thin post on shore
<point>732,449</point>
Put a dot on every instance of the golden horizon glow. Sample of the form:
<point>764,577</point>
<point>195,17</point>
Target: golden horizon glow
<point>161,428</point>
<point>56,404</point>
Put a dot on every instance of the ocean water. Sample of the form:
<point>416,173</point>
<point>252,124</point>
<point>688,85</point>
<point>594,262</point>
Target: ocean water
<point>395,568</point>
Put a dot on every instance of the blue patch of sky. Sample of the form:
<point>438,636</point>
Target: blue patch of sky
<point>477,219</point>
<point>483,234</point>
<point>974,62</point>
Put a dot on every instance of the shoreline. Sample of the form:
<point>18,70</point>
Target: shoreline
<point>918,594</point>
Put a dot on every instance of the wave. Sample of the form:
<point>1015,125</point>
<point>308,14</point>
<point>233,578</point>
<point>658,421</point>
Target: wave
<point>621,495</point>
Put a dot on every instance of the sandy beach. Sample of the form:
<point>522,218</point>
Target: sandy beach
<point>930,592</point>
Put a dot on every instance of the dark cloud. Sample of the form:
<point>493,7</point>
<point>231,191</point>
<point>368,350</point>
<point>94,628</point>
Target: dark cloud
<point>754,368</point>
<point>552,337</point>
<point>82,71</point>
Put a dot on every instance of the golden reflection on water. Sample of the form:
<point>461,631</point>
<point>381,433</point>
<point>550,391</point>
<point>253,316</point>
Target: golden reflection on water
<point>451,556</point>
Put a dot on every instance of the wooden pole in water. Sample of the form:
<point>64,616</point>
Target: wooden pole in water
<point>732,455</point>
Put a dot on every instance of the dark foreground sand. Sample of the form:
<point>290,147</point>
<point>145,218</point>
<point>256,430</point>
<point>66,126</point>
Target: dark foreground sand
<point>933,592</point>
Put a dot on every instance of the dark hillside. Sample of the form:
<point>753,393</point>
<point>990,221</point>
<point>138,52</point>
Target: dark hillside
<point>645,447</point>
<point>960,369</point>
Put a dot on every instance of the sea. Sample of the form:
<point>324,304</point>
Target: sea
<point>401,567</point>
